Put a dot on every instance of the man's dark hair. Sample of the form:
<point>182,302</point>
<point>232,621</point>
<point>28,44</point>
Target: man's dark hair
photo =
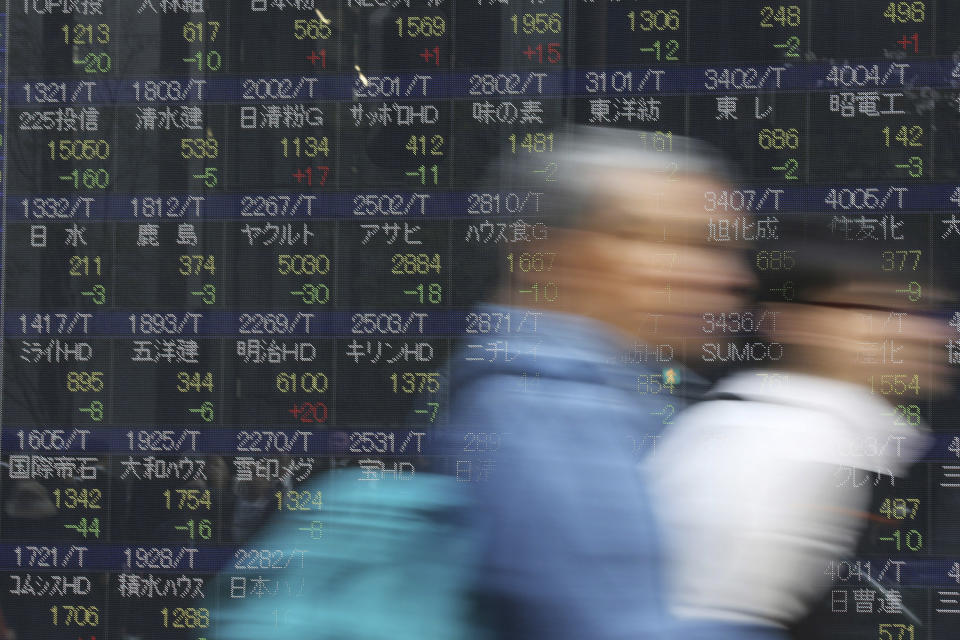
<point>813,259</point>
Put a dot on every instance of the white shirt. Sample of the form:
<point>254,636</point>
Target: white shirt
<point>756,496</point>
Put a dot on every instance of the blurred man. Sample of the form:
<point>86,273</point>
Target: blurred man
<point>559,541</point>
<point>548,419</point>
<point>750,485</point>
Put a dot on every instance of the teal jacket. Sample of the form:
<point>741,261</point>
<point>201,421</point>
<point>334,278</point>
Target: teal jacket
<point>392,560</point>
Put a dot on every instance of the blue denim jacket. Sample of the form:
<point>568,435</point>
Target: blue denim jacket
<point>570,547</point>
<point>558,517</point>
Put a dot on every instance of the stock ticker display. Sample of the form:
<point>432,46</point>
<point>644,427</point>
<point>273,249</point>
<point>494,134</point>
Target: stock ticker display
<point>241,240</point>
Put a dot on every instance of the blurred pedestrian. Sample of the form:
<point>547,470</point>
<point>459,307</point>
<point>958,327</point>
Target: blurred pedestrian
<point>547,418</point>
<point>749,485</point>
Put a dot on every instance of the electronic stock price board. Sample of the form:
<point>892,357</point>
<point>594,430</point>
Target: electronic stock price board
<point>233,240</point>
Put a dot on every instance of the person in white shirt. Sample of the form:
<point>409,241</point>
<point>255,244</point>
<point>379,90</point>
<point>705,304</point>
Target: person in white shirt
<point>748,485</point>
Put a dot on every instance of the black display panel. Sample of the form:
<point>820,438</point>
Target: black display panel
<point>242,241</point>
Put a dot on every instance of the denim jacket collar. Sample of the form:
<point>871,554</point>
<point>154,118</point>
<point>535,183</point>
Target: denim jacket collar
<point>552,341</point>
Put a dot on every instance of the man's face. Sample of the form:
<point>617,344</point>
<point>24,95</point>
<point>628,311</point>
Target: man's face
<point>653,271</point>
<point>867,332</point>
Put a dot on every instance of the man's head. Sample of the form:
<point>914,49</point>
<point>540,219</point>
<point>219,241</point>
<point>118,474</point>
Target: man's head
<point>630,236</point>
<point>841,314</point>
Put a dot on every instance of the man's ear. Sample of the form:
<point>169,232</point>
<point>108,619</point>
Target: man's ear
<point>772,331</point>
<point>816,326</point>
<point>795,324</point>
